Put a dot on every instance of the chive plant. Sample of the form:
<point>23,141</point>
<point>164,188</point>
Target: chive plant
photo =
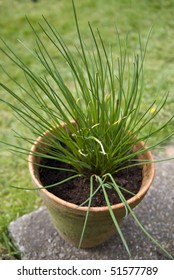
<point>105,103</point>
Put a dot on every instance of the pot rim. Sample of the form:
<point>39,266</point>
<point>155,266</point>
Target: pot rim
<point>142,191</point>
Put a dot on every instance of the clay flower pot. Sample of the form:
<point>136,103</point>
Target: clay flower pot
<point>68,218</point>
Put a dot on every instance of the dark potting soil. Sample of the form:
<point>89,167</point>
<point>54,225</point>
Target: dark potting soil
<point>77,190</point>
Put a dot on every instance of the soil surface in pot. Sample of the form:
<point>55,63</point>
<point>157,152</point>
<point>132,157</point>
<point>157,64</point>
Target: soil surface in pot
<point>77,190</point>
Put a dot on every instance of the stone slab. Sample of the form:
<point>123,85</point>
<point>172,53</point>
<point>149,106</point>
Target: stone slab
<point>36,238</point>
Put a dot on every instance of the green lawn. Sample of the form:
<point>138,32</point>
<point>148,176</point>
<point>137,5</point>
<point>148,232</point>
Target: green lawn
<point>130,16</point>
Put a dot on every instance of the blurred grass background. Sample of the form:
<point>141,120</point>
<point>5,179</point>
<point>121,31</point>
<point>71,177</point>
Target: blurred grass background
<point>133,16</point>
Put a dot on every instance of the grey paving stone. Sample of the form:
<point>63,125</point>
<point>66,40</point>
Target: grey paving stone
<point>36,238</point>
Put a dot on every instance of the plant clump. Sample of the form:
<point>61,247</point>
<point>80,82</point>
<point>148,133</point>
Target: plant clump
<point>101,109</point>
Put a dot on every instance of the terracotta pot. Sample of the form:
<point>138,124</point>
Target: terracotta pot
<point>69,219</point>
